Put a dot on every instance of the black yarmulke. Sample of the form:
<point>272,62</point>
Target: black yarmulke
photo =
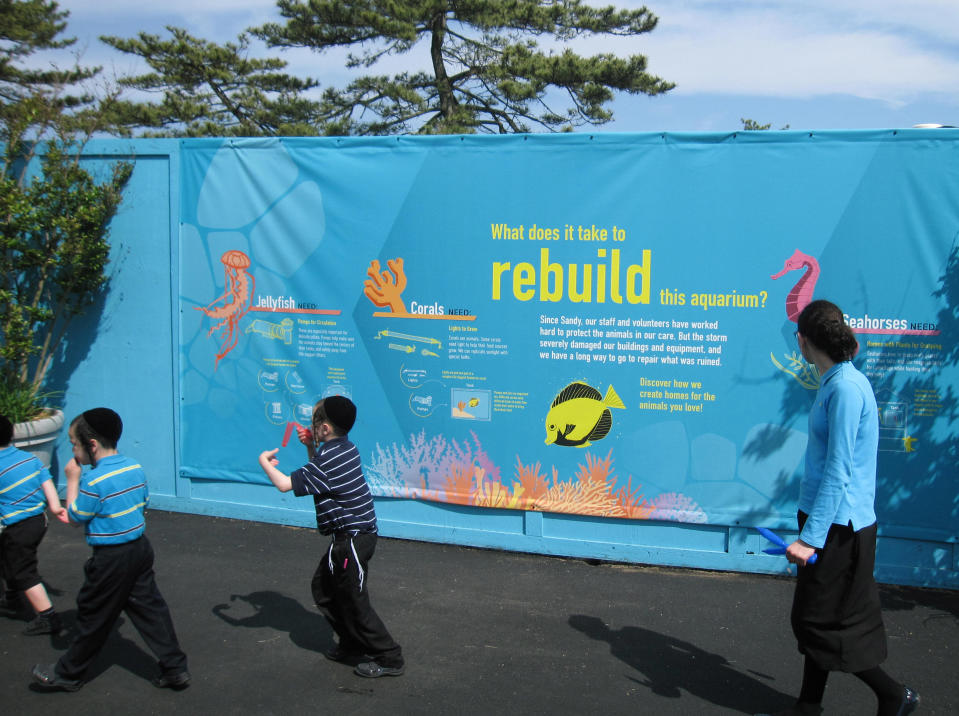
<point>340,411</point>
<point>105,423</point>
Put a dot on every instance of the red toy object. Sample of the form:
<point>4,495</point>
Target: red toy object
<point>289,431</point>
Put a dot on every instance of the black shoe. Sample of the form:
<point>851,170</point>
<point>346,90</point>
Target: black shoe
<point>178,681</point>
<point>910,702</point>
<point>344,656</point>
<point>47,677</point>
<point>44,625</point>
<point>372,670</point>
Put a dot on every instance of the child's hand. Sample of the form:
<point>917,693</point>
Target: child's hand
<point>61,515</point>
<point>268,463</point>
<point>72,469</point>
<point>268,457</point>
<point>305,435</point>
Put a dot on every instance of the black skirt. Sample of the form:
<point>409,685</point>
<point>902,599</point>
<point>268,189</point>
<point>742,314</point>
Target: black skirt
<point>836,614</point>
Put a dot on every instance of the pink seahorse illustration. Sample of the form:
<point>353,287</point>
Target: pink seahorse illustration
<point>801,294</point>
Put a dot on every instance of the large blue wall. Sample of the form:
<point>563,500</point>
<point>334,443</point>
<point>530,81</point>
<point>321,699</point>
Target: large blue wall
<point>124,353</point>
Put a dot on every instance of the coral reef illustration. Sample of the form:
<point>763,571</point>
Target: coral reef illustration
<point>443,470</point>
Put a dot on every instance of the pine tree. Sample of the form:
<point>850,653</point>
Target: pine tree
<point>488,73</point>
<point>212,90</point>
<point>27,27</point>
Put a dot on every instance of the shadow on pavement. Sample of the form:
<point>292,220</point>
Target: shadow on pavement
<point>671,666</point>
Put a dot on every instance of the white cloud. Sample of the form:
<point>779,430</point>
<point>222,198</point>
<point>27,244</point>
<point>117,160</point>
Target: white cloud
<point>881,49</point>
<point>891,51</point>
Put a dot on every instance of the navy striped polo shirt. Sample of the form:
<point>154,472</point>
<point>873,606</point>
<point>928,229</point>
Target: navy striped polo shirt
<point>334,477</point>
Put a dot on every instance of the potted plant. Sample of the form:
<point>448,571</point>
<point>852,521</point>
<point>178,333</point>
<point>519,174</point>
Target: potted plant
<point>54,251</point>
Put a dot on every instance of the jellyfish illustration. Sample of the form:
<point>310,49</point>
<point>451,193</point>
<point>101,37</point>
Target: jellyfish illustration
<point>229,308</point>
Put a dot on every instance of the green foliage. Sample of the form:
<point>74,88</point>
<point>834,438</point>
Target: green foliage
<point>19,402</point>
<point>751,125</point>
<point>489,74</point>
<point>209,89</point>
<point>54,215</point>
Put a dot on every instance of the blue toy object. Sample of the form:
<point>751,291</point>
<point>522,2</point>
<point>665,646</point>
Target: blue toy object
<point>781,549</point>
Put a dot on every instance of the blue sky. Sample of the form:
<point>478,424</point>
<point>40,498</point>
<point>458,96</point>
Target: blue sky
<point>811,64</point>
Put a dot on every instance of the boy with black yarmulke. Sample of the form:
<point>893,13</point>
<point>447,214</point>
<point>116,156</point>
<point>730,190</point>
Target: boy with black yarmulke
<point>110,499</point>
<point>344,509</point>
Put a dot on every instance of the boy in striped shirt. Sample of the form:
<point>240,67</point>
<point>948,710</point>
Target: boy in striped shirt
<point>344,510</point>
<point>110,500</point>
<point>26,488</point>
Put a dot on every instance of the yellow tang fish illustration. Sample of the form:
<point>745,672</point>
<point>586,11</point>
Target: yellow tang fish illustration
<point>580,414</point>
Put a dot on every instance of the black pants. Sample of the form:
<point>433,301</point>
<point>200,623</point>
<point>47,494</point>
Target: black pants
<point>18,552</point>
<point>836,614</point>
<point>342,593</point>
<point>119,578</point>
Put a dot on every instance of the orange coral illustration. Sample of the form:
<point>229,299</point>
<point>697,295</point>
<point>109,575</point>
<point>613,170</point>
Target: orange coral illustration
<point>463,475</point>
<point>236,300</point>
<point>459,484</point>
<point>385,289</point>
<point>592,493</point>
<point>534,485</point>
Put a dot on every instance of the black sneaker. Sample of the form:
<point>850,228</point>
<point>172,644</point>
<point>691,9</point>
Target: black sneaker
<point>372,670</point>
<point>50,680</point>
<point>44,625</point>
<point>910,702</point>
<point>178,681</point>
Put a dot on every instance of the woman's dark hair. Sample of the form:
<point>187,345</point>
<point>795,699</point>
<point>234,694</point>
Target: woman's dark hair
<point>822,324</point>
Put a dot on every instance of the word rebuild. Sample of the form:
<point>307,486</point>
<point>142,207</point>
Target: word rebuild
<point>580,283</point>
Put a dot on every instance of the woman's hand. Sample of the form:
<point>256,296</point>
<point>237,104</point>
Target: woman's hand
<point>799,553</point>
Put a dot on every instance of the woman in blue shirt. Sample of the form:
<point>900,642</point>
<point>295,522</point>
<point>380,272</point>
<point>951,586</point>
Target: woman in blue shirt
<point>836,614</point>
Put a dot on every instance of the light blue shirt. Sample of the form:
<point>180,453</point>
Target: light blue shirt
<point>111,501</point>
<point>840,482</point>
<point>21,485</point>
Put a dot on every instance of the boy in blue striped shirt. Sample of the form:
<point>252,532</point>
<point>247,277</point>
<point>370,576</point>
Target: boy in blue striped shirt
<point>110,500</point>
<point>344,509</point>
<point>26,488</point>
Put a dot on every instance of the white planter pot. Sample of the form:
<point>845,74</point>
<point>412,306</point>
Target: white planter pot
<point>39,437</point>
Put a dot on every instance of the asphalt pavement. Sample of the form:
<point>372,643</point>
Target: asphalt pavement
<point>483,632</point>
